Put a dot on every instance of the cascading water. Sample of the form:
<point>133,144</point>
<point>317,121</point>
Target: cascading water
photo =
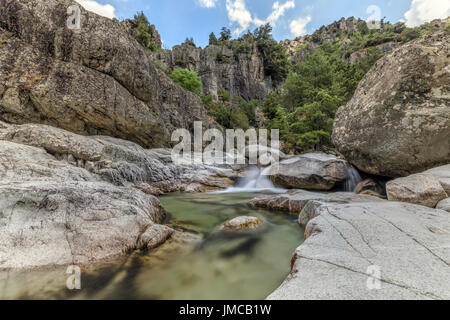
<point>354,178</point>
<point>255,180</point>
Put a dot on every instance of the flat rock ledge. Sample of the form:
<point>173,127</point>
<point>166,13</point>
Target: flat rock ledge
<point>409,245</point>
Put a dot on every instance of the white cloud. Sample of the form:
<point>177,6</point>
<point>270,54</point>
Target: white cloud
<point>422,11</point>
<point>207,3</point>
<point>239,14</point>
<point>279,10</point>
<point>106,10</point>
<point>298,26</point>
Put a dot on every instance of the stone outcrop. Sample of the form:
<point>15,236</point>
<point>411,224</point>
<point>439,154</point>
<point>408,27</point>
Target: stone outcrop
<point>93,81</point>
<point>349,247</point>
<point>422,189</point>
<point>294,201</point>
<point>398,121</point>
<point>220,68</point>
<point>243,223</point>
<point>313,171</point>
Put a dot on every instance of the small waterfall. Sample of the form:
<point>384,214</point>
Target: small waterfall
<point>255,180</point>
<point>354,178</point>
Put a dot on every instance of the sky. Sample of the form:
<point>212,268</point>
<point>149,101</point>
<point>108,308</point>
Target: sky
<point>177,20</point>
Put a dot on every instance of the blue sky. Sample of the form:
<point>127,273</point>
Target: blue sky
<point>178,19</point>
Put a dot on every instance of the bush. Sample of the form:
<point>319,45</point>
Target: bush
<point>189,80</point>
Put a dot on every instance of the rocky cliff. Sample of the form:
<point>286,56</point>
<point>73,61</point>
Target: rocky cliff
<point>220,68</point>
<point>94,80</point>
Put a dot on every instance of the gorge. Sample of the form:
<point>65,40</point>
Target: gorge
<point>88,180</point>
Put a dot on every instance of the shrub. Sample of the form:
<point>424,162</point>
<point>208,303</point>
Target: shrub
<point>189,80</point>
<point>143,33</point>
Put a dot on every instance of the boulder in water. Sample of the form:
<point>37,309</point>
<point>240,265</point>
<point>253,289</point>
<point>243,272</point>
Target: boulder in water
<point>422,189</point>
<point>243,223</point>
<point>313,171</point>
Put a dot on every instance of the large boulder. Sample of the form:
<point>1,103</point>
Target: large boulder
<point>371,251</point>
<point>398,121</point>
<point>313,171</point>
<point>420,189</point>
<point>97,80</point>
<point>54,213</point>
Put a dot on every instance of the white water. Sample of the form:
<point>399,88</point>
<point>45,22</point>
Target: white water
<point>256,180</point>
<point>354,178</point>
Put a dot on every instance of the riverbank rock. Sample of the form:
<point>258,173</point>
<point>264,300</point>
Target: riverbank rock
<point>293,202</point>
<point>444,205</point>
<point>313,171</point>
<point>419,189</point>
<point>243,223</point>
<point>398,121</point>
<point>54,213</point>
<point>405,245</point>
<point>371,188</point>
<point>97,80</point>
<point>443,175</point>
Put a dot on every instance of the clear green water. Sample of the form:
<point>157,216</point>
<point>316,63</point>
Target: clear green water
<point>200,262</point>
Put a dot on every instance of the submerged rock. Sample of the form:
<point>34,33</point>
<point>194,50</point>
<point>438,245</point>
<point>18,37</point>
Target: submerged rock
<point>398,121</point>
<point>420,189</point>
<point>243,223</point>
<point>403,244</point>
<point>313,171</point>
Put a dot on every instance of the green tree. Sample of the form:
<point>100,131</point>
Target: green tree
<point>212,39</point>
<point>187,79</point>
<point>225,35</point>
<point>143,32</point>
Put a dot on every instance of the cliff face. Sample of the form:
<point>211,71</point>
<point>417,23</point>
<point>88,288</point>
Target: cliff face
<point>220,69</point>
<point>95,80</point>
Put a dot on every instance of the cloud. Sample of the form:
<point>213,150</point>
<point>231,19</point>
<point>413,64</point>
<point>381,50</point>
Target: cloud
<point>422,11</point>
<point>279,10</point>
<point>207,3</point>
<point>239,14</point>
<point>298,26</point>
<point>106,10</point>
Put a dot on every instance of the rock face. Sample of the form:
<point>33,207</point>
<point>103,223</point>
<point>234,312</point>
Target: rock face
<point>420,189</point>
<point>242,223</point>
<point>220,69</point>
<point>314,171</point>
<point>406,245</point>
<point>398,121</point>
<point>93,81</point>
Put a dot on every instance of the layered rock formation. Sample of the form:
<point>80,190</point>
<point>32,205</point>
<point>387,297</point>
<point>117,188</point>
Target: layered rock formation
<point>398,121</point>
<point>91,81</point>
<point>242,74</point>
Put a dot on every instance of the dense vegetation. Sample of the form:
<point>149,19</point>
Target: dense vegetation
<point>189,80</point>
